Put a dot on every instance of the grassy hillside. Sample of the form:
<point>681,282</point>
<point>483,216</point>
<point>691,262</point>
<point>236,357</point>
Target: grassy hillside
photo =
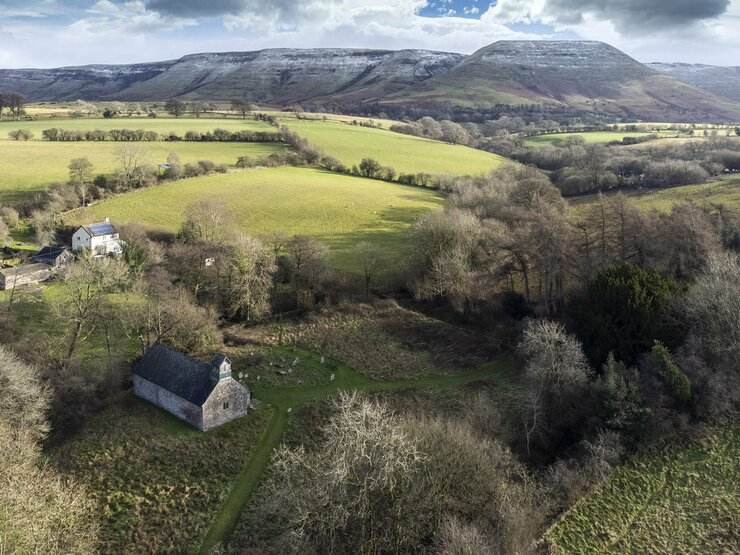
<point>407,154</point>
<point>725,192</point>
<point>585,75</point>
<point>29,167</point>
<point>556,139</point>
<point>160,125</point>
<point>683,500</point>
<point>336,209</point>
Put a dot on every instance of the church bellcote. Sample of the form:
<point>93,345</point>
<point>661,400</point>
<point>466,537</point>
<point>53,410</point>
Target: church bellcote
<point>221,367</point>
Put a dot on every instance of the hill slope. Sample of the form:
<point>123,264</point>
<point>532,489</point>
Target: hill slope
<point>274,76</point>
<point>720,80</point>
<point>578,75</point>
<point>585,75</point>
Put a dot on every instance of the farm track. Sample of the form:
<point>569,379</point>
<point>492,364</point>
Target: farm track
<point>281,400</point>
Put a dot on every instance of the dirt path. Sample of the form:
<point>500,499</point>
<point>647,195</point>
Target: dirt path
<point>280,400</point>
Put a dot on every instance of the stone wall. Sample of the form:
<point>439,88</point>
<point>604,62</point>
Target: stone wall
<point>170,402</point>
<point>226,391</point>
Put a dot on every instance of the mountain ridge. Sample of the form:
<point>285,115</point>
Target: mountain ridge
<point>588,76</point>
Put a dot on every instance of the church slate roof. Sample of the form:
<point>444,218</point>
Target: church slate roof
<point>178,373</point>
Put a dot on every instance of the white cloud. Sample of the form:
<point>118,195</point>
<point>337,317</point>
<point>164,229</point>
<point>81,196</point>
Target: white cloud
<point>122,31</point>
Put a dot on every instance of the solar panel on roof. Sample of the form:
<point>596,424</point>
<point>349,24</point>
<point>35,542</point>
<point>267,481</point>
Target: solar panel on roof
<point>102,229</point>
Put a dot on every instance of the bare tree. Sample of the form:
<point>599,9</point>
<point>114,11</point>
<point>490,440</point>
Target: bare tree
<point>371,259</point>
<point>133,170</point>
<point>712,306</point>
<point>242,106</point>
<point>41,512</point>
<point>80,176</point>
<point>24,398</point>
<point>249,278</point>
<point>207,220</point>
<point>85,286</point>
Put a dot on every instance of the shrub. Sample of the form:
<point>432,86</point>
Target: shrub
<point>192,170</point>
<point>245,162</point>
<point>21,134</point>
<point>677,383</point>
<point>207,166</point>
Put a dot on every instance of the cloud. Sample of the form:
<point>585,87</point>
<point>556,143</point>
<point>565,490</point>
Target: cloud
<point>628,17</point>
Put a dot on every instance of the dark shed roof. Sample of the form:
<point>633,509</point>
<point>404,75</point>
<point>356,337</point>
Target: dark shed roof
<point>48,255</point>
<point>185,377</point>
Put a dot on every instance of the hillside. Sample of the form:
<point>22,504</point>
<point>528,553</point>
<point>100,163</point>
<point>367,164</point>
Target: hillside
<point>271,76</point>
<point>720,80</point>
<point>585,75</point>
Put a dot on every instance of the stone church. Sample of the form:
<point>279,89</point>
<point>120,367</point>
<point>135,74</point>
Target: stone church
<point>204,395</point>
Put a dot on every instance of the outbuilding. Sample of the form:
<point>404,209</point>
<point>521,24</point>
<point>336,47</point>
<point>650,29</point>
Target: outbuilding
<point>204,395</point>
<point>24,274</point>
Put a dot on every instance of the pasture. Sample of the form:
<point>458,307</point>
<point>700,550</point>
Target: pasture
<point>29,167</point>
<point>681,500</point>
<point>725,192</point>
<point>336,209</point>
<point>158,482</point>
<point>162,125</point>
<point>556,139</point>
<point>407,154</point>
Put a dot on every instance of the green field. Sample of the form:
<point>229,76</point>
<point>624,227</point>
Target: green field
<point>158,482</point>
<point>684,500</point>
<point>407,154</point>
<point>160,125</point>
<point>29,167</point>
<point>725,192</point>
<point>336,209</point>
<point>555,139</point>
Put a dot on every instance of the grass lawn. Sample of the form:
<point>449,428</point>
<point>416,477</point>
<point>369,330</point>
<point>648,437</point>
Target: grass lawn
<point>158,482</point>
<point>160,125</point>
<point>29,167</point>
<point>337,210</point>
<point>683,500</point>
<point>555,139</point>
<point>407,154</point>
<point>724,192</point>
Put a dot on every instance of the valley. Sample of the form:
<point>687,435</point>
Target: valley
<point>374,300</point>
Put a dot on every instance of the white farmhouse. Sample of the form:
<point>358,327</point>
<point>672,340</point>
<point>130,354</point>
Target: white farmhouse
<point>100,238</point>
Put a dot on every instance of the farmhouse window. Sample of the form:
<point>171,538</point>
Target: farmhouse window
<point>226,405</point>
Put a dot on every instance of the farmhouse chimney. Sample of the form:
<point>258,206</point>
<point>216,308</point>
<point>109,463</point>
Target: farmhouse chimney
<point>221,367</point>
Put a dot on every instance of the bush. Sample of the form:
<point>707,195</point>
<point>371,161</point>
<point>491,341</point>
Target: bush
<point>207,166</point>
<point>677,383</point>
<point>21,134</point>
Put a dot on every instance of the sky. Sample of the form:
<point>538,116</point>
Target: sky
<point>53,33</point>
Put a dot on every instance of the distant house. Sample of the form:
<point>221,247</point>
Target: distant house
<point>204,395</point>
<point>54,256</point>
<point>100,238</point>
<point>25,274</point>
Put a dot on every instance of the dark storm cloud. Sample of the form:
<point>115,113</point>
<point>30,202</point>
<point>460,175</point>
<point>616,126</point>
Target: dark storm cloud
<point>633,15</point>
<point>197,8</point>
<point>218,8</point>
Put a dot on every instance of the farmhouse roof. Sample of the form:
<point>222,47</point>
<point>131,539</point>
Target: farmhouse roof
<point>48,255</point>
<point>176,372</point>
<point>100,228</point>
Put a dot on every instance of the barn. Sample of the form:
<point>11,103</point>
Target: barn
<point>24,274</point>
<point>204,395</point>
